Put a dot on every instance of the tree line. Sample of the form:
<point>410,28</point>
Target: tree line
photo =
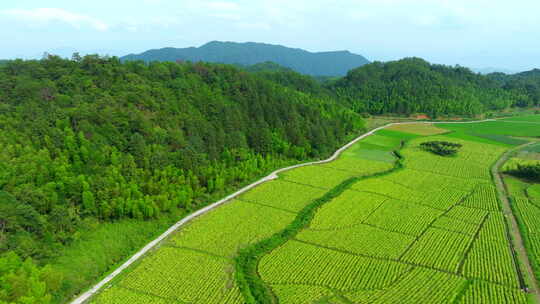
<point>529,172</point>
<point>413,85</point>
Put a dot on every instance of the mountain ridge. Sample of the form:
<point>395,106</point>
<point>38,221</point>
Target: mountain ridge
<point>327,63</point>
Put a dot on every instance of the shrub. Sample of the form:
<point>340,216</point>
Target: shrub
<point>442,148</point>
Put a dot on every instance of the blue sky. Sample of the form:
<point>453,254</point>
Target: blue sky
<point>474,33</point>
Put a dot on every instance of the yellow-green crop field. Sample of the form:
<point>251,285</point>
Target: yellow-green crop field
<point>525,202</point>
<point>406,227</point>
<point>418,128</point>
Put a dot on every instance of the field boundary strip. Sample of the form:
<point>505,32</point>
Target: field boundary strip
<point>519,251</point>
<point>274,175</point>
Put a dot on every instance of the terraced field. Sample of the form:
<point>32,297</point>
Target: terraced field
<point>374,226</point>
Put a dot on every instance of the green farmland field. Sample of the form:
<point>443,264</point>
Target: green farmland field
<point>499,127</point>
<point>525,199</point>
<point>405,227</point>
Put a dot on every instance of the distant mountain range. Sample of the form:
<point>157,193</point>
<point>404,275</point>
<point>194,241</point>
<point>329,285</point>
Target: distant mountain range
<point>316,64</point>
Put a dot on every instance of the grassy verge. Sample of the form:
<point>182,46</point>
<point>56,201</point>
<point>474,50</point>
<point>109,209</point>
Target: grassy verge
<point>100,248</point>
<point>249,282</point>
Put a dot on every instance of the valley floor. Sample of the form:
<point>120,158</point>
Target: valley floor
<point>401,225</point>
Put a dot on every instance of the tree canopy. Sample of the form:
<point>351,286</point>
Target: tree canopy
<point>413,85</point>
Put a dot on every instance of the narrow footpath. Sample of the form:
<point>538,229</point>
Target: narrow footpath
<point>517,241</point>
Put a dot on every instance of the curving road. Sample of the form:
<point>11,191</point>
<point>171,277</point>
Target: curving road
<point>85,296</point>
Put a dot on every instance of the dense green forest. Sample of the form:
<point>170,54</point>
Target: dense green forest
<point>413,85</point>
<point>526,85</point>
<point>250,53</point>
<point>94,139</point>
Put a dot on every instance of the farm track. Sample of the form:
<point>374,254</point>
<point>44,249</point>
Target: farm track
<point>84,297</point>
<point>516,239</point>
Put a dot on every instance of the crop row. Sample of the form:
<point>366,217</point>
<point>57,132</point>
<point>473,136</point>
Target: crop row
<point>452,167</point>
<point>494,228</point>
<point>483,197</point>
<point>297,294</point>
<point>361,166</point>
<point>318,176</point>
<point>361,239</point>
<point>389,188</point>
<point>455,225</point>
<point>528,213</point>
<point>439,249</point>
<point>428,181</point>
<point>119,295</point>
<point>403,217</point>
<point>299,263</point>
<point>283,195</point>
<point>182,275</point>
<point>443,198</point>
<point>491,261</point>
<point>479,292</point>
<point>427,286</point>
<point>420,286</point>
<point>350,208</point>
<point>236,225</point>
<point>470,215</point>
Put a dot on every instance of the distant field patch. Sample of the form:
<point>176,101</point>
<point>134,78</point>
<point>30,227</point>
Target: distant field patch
<point>381,139</point>
<point>397,135</point>
<point>512,141</point>
<point>502,127</point>
<point>419,129</point>
<point>527,118</point>
<point>370,151</point>
<point>533,148</point>
<point>479,139</point>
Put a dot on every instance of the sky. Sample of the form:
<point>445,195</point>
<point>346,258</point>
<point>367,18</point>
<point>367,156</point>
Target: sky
<point>473,33</point>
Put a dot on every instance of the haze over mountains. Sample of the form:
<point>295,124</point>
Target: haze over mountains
<point>336,63</point>
<point>332,63</point>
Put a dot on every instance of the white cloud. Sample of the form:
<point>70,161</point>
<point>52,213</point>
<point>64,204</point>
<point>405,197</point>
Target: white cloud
<point>56,14</point>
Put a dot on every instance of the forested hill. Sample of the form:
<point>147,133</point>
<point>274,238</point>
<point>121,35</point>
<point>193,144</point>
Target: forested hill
<point>525,84</point>
<point>317,64</point>
<point>413,85</point>
<point>97,139</point>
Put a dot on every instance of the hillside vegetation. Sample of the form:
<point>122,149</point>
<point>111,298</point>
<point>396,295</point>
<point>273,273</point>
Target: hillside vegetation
<point>526,85</point>
<point>92,140</point>
<point>413,85</point>
<point>322,63</point>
